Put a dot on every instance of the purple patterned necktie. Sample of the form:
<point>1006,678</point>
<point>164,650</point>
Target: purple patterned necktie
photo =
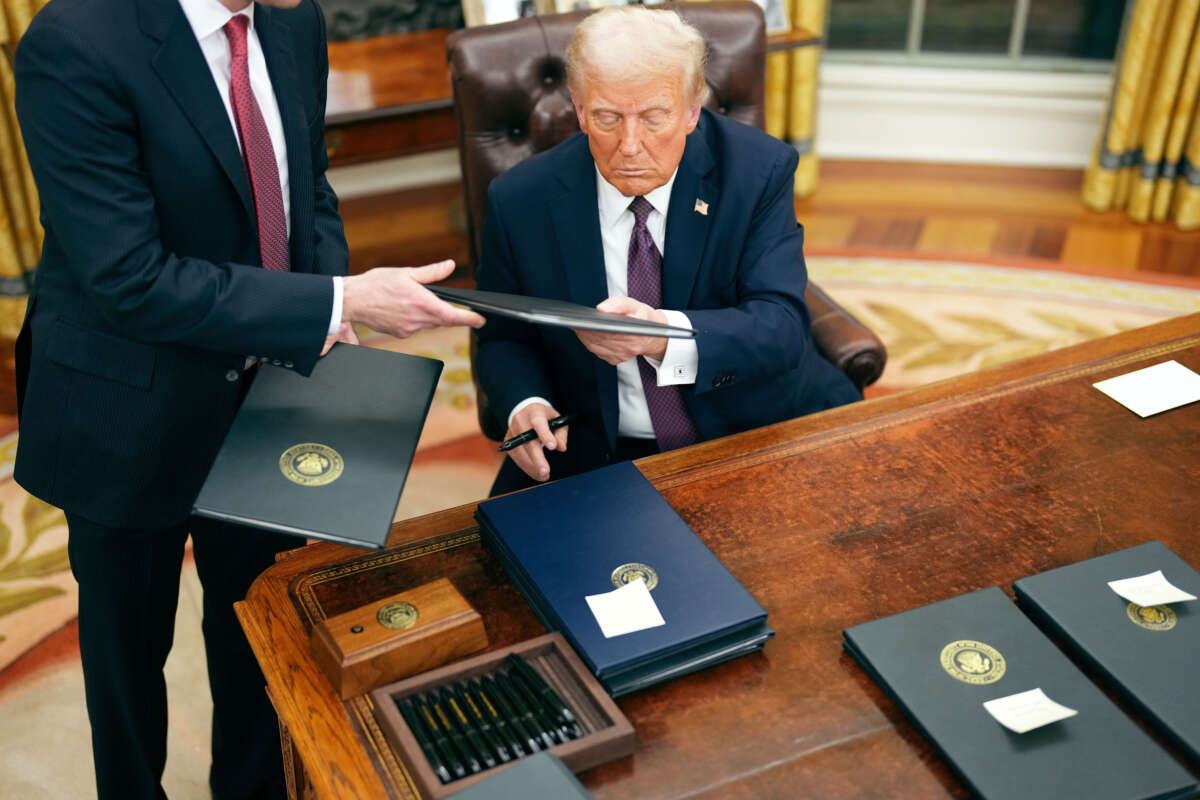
<point>672,425</point>
<point>257,152</point>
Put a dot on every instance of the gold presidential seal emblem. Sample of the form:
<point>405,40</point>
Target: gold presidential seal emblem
<point>397,616</point>
<point>311,464</point>
<point>973,662</point>
<point>1152,618</point>
<point>626,573</point>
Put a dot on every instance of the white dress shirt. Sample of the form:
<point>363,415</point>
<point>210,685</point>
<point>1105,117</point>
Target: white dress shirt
<point>681,361</point>
<point>207,18</point>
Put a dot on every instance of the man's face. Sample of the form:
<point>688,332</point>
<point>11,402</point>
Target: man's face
<point>636,131</point>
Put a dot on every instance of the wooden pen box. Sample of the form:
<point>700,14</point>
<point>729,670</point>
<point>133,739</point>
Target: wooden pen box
<point>607,734</point>
<point>395,637</point>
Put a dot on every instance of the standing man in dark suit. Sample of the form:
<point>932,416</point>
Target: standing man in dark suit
<point>658,210</point>
<point>178,148</point>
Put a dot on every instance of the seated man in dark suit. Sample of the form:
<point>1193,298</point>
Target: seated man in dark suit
<point>658,210</point>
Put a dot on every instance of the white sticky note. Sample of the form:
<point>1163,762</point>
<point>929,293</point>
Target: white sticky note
<point>1150,590</point>
<point>1153,389</point>
<point>1027,710</point>
<point>625,610</point>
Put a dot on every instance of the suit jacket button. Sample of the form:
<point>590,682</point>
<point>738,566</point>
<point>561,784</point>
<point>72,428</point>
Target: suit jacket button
<point>232,376</point>
<point>288,364</point>
<point>276,362</point>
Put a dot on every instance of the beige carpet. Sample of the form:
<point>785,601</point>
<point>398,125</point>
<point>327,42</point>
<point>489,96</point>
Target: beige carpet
<point>938,319</point>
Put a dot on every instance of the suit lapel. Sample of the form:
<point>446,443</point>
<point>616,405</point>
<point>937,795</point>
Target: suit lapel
<point>275,37</point>
<point>687,227</point>
<point>182,68</point>
<point>576,220</point>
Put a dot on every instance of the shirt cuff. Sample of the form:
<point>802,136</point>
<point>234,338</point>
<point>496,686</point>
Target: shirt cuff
<point>335,319</point>
<point>681,362</point>
<point>526,402</point>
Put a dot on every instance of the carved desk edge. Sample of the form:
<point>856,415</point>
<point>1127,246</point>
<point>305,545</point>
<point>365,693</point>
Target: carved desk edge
<point>279,638</point>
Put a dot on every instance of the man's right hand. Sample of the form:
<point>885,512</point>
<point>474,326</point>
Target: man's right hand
<point>529,457</point>
<point>393,300</point>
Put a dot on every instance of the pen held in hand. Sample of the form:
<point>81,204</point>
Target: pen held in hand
<point>531,435</point>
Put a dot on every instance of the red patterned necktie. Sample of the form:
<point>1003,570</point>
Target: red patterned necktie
<point>257,152</point>
<point>672,425</point>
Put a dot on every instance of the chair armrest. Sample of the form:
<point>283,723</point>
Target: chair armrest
<point>843,340</point>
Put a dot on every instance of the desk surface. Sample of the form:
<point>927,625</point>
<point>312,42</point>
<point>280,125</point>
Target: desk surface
<point>829,520</point>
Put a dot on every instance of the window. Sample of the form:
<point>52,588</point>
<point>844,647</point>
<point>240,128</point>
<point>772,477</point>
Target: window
<point>1008,33</point>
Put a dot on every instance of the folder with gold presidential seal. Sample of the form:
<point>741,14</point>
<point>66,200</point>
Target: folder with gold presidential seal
<point>325,456</point>
<point>567,543</point>
<point>1149,655</point>
<point>941,663</point>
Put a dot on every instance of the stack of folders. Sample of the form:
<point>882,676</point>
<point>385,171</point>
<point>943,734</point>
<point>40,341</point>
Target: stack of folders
<point>1149,655</point>
<point>591,533</point>
<point>942,662</point>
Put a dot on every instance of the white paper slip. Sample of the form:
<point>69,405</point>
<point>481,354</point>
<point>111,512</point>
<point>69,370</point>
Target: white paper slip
<point>625,610</point>
<point>1150,590</point>
<point>1027,710</point>
<point>1153,389</point>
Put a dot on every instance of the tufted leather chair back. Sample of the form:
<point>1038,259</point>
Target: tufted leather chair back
<point>511,98</point>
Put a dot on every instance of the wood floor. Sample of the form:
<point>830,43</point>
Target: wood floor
<point>936,209</point>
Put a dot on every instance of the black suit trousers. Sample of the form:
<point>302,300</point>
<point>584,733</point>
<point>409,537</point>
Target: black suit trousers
<point>128,591</point>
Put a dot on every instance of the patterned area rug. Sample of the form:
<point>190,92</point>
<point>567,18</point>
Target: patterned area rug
<point>939,318</point>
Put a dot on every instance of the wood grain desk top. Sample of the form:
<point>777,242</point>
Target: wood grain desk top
<point>829,520</point>
<point>406,73</point>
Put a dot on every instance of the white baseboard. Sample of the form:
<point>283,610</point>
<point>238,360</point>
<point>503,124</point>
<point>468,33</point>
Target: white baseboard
<point>959,115</point>
<point>880,112</point>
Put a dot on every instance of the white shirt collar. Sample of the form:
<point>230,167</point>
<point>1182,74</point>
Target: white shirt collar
<point>613,204</point>
<point>208,16</point>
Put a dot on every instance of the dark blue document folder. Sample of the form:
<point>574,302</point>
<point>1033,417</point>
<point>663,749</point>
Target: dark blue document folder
<point>1151,657</point>
<point>588,534</point>
<point>941,662</point>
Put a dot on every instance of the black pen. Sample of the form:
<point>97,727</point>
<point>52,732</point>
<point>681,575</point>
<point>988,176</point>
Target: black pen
<point>459,716</point>
<point>530,435</point>
<point>424,739</point>
<point>544,720</point>
<point>480,723</point>
<point>561,712</point>
<point>517,700</point>
<point>492,690</point>
<point>506,731</point>
<point>440,739</point>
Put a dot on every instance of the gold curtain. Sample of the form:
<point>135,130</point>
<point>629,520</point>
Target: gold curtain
<point>791,102</point>
<point>20,233</point>
<point>1147,158</point>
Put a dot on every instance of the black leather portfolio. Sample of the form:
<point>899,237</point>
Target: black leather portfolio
<point>941,662</point>
<point>325,456</point>
<point>541,776</point>
<point>1149,656</point>
<point>591,533</point>
<point>559,313</point>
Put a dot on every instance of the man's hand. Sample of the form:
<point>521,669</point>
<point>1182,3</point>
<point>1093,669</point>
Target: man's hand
<point>617,348</point>
<point>392,300</point>
<point>345,333</point>
<point>529,457</point>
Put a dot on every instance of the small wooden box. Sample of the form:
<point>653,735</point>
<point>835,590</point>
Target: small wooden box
<point>398,636</point>
<point>607,734</point>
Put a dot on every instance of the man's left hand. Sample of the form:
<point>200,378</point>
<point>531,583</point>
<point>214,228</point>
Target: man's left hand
<point>617,348</point>
<point>345,333</point>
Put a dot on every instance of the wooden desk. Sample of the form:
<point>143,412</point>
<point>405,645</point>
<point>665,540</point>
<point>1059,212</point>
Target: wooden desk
<point>390,95</point>
<point>829,520</point>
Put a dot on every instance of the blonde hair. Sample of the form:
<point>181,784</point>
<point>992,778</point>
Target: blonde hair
<point>632,43</point>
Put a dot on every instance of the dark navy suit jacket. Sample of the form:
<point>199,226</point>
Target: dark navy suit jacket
<point>148,295</point>
<point>737,272</point>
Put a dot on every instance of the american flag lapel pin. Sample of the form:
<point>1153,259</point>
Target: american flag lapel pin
<point>701,207</point>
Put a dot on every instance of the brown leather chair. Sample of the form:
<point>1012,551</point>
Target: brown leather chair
<point>511,101</point>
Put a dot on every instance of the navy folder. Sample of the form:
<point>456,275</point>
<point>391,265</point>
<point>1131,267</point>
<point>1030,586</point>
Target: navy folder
<point>1150,657</point>
<point>325,456</point>
<point>582,536</point>
<point>940,662</point>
